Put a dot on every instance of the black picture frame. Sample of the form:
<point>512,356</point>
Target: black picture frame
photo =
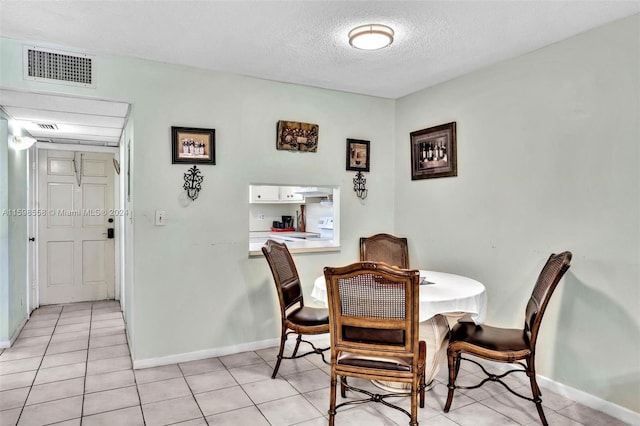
<point>191,145</point>
<point>358,155</point>
<point>434,152</point>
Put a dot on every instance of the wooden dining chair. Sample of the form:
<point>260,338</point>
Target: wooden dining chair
<point>385,248</point>
<point>295,317</point>
<point>373,317</point>
<point>508,345</point>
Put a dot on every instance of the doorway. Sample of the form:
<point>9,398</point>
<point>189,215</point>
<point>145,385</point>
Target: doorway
<point>76,231</point>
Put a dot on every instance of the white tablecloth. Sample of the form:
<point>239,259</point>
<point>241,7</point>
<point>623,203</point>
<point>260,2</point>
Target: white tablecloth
<point>449,293</point>
<point>441,294</point>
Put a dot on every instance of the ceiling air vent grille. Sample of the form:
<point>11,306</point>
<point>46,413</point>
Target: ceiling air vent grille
<point>46,126</point>
<point>58,66</point>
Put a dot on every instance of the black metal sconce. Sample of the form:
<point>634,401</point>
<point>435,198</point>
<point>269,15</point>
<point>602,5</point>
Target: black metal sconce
<point>192,182</point>
<point>359,186</point>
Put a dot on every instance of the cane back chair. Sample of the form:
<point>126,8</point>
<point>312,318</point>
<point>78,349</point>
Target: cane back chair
<point>385,248</point>
<point>296,318</point>
<point>505,344</point>
<point>373,317</point>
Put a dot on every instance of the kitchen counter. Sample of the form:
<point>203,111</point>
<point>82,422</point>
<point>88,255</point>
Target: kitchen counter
<point>297,242</point>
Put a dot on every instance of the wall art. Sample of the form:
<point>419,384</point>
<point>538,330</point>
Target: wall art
<point>358,155</point>
<point>295,136</point>
<point>193,146</point>
<point>433,152</point>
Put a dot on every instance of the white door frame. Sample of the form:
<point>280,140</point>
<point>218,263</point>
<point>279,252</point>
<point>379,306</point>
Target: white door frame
<point>32,282</point>
<point>33,300</point>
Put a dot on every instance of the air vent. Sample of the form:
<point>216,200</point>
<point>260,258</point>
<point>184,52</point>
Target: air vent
<point>46,126</point>
<point>57,66</point>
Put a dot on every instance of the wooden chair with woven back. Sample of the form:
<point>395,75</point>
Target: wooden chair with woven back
<point>507,345</point>
<point>373,316</point>
<point>385,248</point>
<point>296,318</point>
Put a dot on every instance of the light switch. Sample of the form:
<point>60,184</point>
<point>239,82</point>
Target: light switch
<point>161,216</point>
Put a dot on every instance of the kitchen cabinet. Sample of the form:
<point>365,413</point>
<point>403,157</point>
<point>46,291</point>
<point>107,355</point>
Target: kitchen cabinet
<point>287,193</point>
<point>264,193</point>
<point>274,194</point>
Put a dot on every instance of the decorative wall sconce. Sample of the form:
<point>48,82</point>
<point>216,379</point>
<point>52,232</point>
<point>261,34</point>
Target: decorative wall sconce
<point>359,186</point>
<point>192,182</point>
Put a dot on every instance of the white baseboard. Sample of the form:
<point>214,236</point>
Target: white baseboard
<point>619,412</point>
<point>591,401</point>
<point>206,353</point>
<point>588,400</point>
<point>8,343</point>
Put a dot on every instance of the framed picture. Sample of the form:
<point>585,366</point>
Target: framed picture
<point>193,146</point>
<point>295,136</point>
<point>433,152</point>
<point>358,155</point>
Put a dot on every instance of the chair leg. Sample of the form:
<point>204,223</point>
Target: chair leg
<point>453,361</point>
<point>343,388</point>
<point>332,400</point>
<point>414,405</point>
<point>422,388</point>
<point>422,371</point>
<point>535,390</point>
<point>283,339</point>
<point>295,350</point>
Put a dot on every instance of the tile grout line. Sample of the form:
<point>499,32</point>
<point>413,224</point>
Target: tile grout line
<point>24,404</point>
<point>135,379</point>
<point>86,366</point>
<point>192,394</point>
<point>488,401</point>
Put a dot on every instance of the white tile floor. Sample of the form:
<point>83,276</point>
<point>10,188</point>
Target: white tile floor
<point>71,366</point>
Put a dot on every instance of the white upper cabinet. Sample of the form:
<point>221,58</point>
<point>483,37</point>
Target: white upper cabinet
<point>274,194</point>
<point>287,193</point>
<point>264,193</point>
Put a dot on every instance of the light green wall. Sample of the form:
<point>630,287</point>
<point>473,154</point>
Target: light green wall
<point>547,161</point>
<point>18,238</point>
<point>5,330</point>
<point>13,237</point>
<point>197,265</point>
<point>127,298</point>
<point>194,286</point>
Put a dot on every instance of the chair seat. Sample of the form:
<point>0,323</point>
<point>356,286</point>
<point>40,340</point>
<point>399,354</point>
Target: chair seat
<point>308,316</point>
<point>491,338</point>
<point>370,361</point>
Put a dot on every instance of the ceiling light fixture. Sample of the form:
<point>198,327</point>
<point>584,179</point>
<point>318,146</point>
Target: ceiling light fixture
<point>371,37</point>
<point>20,143</point>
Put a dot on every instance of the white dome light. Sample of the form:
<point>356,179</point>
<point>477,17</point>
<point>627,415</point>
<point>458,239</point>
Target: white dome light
<point>20,143</point>
<point>371,37</point>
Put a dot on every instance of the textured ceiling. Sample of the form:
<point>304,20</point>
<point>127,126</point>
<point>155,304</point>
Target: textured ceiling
<point>305,42</point>
<point>302,42</point>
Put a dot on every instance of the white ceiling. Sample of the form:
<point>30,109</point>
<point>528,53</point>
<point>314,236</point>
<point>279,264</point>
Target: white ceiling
<point>83,121</point>
<point>305,42</point>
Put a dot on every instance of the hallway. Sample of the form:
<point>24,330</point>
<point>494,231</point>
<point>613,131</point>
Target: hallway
<point>71,366</point>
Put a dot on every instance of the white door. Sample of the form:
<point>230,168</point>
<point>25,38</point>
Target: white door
<point>76,257</point>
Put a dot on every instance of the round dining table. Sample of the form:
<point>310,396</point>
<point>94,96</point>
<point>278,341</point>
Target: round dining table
<point>444,298</point>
